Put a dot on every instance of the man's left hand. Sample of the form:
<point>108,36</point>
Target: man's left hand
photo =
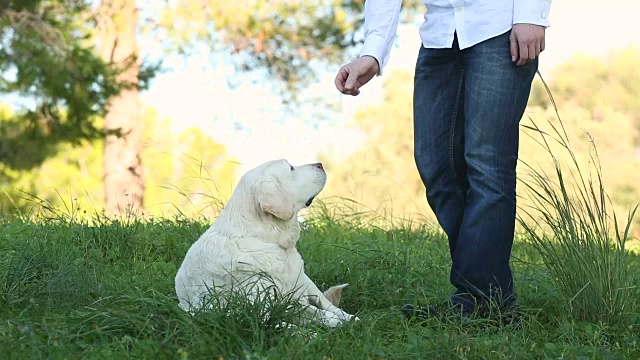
<point>527,42</point>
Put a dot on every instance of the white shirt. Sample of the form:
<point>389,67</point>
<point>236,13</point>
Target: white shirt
<point>473,20</point>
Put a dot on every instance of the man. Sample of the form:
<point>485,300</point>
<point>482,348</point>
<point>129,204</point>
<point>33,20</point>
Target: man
<point>472,82</point>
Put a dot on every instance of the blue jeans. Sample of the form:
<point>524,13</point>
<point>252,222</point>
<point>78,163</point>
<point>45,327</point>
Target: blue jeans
<point>467,108</point>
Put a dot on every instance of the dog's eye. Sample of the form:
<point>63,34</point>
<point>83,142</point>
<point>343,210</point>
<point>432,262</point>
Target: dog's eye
<point>291,167</point>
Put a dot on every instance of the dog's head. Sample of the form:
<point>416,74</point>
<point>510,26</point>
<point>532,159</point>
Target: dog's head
<point>282,190</point>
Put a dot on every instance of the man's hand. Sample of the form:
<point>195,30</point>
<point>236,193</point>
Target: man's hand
<point>527,42</point>
<point>355,74</point>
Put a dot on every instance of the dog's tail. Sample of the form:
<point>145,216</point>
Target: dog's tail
<point>334,293</point>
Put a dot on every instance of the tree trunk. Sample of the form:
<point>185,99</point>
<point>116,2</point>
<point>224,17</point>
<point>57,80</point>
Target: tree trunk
<point>123,172</point>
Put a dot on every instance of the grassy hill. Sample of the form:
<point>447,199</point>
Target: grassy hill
<point>71,289</point>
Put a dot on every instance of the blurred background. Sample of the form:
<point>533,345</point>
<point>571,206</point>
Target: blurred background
<point>159,106</point>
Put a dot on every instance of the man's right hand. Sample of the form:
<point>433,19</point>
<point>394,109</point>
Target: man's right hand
<point>355,74</point>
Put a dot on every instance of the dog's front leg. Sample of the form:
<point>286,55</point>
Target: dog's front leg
<point>316,297</point>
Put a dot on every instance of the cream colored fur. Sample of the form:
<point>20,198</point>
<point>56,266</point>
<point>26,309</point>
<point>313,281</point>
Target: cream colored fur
<point>257,232</point>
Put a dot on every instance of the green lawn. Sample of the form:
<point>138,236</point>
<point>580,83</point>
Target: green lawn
<point>75,291</point>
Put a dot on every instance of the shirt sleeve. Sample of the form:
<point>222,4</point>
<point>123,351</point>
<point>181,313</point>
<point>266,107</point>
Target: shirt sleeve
<point>534,12</point>
<point>380,26</point>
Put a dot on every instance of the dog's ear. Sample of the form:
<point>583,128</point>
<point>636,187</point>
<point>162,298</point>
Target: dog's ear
<point>272,200</point>
<point>334,294</point>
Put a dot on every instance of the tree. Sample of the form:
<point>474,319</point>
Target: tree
<point>47,58</point>
<point>123,172</point>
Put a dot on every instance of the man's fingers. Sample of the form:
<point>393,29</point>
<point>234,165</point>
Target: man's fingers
<point>341,78</point>
<point>355,74</point>
<point>346,81</point>
<point>527,41</point>
<point>350,84</point>
<point>514,47</point>
<point>524,53</point>
<point>532,52</point>
<point>529,51</point>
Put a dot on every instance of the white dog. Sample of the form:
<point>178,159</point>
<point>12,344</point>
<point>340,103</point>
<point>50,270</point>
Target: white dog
<point>257,232</point>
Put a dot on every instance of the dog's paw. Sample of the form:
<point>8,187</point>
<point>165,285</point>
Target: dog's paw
<point>336,320</point>
<point>346,316</point>
<point>285,325</point>
<point>333,322</point>
<point>352,318</point>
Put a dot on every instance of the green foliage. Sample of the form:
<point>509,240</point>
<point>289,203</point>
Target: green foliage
<point>285,38</point>
<point>36,163</point>
<point>117,299</point>
<point>598,85</point>
<point>48,57</point>
<point>186,173</point>
<point>46,54</point>
<point>24,143</point>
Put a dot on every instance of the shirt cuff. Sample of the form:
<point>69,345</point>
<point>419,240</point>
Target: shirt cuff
<point>534,12</point>
<point>375,47</point>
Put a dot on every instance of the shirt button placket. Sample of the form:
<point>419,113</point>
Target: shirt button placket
<point>458,8</point>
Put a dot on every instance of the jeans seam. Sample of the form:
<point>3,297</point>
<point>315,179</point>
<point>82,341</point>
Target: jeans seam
<point>452,134</point>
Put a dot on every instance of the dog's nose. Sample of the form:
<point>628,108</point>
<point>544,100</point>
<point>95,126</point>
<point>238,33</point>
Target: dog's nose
<point>318,165</point>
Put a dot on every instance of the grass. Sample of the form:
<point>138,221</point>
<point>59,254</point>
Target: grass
<point>74,290</point>
<point>584,247</point>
